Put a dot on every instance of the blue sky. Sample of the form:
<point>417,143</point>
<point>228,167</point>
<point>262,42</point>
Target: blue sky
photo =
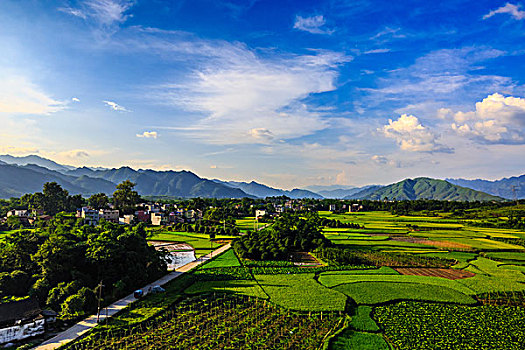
<point>288,93</point>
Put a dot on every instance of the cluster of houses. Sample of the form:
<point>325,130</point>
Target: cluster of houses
<point>154,214</point>
<point>27,217</point>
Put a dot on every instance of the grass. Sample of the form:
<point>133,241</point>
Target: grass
<point>226,259</point>
<point>362,320</point>
<point>241,287</point>
<point>333,280</point>
<point>301,292</point>
<point>371,293</point>
<point>350,339</point>
<point>513,256</point>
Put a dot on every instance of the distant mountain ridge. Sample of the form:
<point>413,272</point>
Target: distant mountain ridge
<point>507,187</point>
<point>262,191</point>
<point>425,188</point>
<point>20,175</point>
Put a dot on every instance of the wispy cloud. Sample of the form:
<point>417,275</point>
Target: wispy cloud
<point>312,25</point>
<point>496,120</point>
<point>246,97</point>
<point>116,107</point>
<point>389,33</point>
<point>20,96</point>
<point>376,51</point>
<point>412,136</point>
<point>441,75</point>
<point>148,134</point>
<point>511,9</point>
<point>104,12</point>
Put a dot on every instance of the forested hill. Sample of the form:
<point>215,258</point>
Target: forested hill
<point>511,187</point>
<point>426,188</point>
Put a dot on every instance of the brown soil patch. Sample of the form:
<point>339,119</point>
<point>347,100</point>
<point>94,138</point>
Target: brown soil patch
<point>439,244</point>
<point>305,259</point>
<point>451,274</point>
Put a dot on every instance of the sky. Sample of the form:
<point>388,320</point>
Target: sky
<point>286,93</point>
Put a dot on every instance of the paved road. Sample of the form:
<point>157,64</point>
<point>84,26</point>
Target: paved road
<point>85,325</point>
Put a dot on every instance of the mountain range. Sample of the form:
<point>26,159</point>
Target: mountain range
<point>20,175</point>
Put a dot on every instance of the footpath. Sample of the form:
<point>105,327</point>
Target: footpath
<point>90,322</point>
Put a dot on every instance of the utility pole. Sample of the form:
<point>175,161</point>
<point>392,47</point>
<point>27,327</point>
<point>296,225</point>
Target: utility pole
<point>100,285</point>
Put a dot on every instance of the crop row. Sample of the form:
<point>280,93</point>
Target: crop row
<point>221,322</point>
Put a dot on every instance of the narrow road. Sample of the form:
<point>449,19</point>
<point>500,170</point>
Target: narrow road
<point>87,324</point>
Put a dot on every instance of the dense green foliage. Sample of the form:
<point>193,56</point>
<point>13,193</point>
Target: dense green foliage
<point>289,233</point>
<point>66,259</point>
<point>412,325</point>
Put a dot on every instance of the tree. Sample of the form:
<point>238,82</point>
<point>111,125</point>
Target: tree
<point>98,201</point>
<point>125,198</point>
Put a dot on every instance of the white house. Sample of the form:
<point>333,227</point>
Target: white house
<point>20,319</point>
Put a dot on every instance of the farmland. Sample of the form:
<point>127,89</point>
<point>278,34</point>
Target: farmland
<point>398,282</point>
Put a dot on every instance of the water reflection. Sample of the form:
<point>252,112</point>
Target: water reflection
<point>178,259</point>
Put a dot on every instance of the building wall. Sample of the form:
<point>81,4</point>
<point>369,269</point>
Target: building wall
<point>20,332</point>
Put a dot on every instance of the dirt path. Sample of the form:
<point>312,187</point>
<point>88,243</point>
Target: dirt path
<point>90,322</point>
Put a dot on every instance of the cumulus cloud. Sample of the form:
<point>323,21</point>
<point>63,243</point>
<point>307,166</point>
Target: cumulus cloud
<point>115,106</point>
<point>412,136</point>
<point>312,24</point>
<point>105,12</point>
<point>148,134</point>
<point>497,120</point>
<point>511,9</point>
<point>19,96</point>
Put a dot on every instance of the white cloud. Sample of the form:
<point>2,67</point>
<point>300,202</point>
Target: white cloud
<point>105,12</point>
<point>75,99</point>
<point>148,134</point>
<point>244,97</point>
<point>497,119</point>
<point>115,106</point>
<point>389,32</point>
<point>379,159</point>
<point>377,51</point>
<point>312,24</point>
<point>511,9</point>
<point>20,96</point>
<point>412,136</point>
<point>261,133</point>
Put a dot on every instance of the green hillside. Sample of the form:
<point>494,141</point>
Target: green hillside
<point>426,188</point>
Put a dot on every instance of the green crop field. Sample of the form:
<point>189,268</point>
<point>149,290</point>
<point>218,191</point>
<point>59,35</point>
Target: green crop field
<point>370,293</point>
<point>364,306</point>
<point>411,325</point>
<point>226,259</point>
<point>301,292</point>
